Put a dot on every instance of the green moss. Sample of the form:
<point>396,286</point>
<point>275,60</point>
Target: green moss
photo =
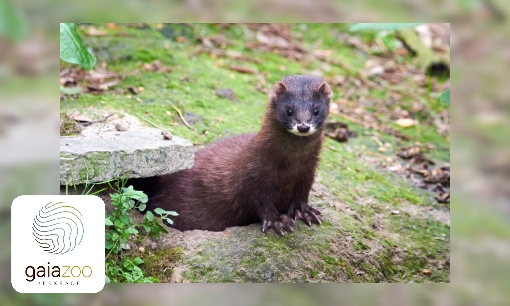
<point>158,263</point>
<point>68,126</point>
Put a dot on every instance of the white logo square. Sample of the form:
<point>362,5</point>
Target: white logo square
<point>57,244</point>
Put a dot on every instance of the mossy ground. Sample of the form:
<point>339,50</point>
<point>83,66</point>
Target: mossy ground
<point>368,244</point>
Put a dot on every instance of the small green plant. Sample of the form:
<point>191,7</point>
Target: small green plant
<point>121,228</point>
<point>153,225</point>
<point>128,272</point>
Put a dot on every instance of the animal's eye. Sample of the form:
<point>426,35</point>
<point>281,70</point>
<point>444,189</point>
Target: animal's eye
<point>316,112</point>
<point>289,112</point>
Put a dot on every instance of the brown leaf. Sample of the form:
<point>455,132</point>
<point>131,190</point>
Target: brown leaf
<point>339,131</point>
<point>166,135</point>
<point>134,90</point>
<point>227,93</point>
<point>409,152</point>
<point>443,197</point>
<point>406,122</point>
<point>155,66</point>
<point>241,69</point>
<point>323,53</point>
<point>80,118</point>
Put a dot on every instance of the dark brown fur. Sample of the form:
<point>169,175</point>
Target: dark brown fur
<point>248,178</point>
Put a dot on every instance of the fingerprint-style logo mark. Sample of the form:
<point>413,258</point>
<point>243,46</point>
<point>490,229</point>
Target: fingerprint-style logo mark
<point>58,228</point>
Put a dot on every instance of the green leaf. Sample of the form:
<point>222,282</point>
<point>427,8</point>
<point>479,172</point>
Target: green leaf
<point>172,213</point>
<point>13,24</point>
<point>124,219</point>
<point>382,26</point>
<point>127,190</point>
<point>149,216</point>
<point>118,223</point>
<point>155,232</point>
<point>108,244</point>
<point>159,211</point>
<point>106,279</point>
<point>445,97</point>
<point>147,228</point>
<point>169,221</point>
<point>132,230</point>
<point>142,207</point>
<point>72,49</point>
<point>108,222</point>
<point>115,236</point>
<point>135,194</point>
<point>138,261</point>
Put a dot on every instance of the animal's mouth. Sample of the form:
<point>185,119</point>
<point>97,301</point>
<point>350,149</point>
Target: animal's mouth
<point>302,129</point>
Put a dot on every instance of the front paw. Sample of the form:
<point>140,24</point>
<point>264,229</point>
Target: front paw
<point>280,224</point>
<point>306,213</point>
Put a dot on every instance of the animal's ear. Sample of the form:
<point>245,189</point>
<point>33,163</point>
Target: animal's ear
<point>279,89</point>
<point>325,90</point>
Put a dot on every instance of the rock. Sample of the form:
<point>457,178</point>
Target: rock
<point>107,155</point>
<point>176,276</point>
<point>121,127</point>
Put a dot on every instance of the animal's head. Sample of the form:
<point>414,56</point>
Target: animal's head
<point>301,104</point>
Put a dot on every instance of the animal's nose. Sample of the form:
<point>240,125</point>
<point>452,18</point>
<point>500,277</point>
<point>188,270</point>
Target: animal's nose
<point>303,128</point>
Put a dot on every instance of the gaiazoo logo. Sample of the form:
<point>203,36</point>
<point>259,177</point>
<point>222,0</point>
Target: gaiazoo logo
<point>58,228</point>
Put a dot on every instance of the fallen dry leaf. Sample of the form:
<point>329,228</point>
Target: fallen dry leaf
<point>155,66</point>
<point>80,118</point>
<point>227,93</point>
<point>121,126</point>
<point>409,152</point>
<point>134,90</point>
<point>241,69</point>
<point>166,135</point>
<point>339,131</point>
<point>406,122</point>
<point>426,271</point>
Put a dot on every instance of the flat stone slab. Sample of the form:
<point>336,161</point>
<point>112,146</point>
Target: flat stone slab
<point>99,156</point>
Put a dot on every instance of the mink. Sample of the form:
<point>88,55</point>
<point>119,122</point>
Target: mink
<point>254,178</point>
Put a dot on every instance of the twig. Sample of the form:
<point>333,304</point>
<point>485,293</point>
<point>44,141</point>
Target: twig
<point>379,155</point>
<point>182,117</point>
<point>349,118</point>
<point>150,122</point>
<point>87,123</point>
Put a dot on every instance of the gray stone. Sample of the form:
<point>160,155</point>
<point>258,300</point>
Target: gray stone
<point>98,156</point>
